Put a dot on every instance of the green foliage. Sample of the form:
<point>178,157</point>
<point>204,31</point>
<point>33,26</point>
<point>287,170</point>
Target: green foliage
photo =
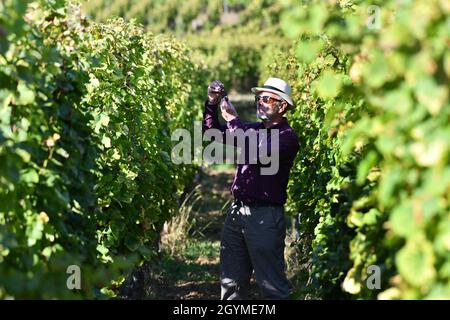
<point>86,113</point>
<point>231,39</point>
<point>322,185</point>
<point>372,178</point>
<point>87,109</point>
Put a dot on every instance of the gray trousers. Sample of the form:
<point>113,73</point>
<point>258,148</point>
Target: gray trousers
<point>253,240</point>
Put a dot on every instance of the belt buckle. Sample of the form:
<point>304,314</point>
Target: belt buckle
<point>245,210</point>
<point>238,203</point>
<point>235,207</point>
<point>239,207</point>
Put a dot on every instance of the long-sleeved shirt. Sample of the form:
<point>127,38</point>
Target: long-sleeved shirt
<point>250,186</point>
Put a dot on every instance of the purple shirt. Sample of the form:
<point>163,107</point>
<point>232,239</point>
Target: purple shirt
<point>249,184</point>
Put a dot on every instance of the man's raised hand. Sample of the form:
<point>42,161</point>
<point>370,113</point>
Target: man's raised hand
<point>215,91</point>
<point>228,110</point>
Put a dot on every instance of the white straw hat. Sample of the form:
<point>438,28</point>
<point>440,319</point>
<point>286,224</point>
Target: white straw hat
<point>277,86</point>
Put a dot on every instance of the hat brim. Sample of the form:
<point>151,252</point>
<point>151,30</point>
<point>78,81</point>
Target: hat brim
<point>281,94</point>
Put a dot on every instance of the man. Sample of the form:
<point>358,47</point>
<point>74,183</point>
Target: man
<point>255,228</point>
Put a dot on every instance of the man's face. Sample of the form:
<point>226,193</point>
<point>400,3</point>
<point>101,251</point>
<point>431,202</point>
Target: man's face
<point>267,105</point>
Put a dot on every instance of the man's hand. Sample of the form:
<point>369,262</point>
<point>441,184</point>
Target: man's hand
<point>215,90</point>
<point>228,110</point>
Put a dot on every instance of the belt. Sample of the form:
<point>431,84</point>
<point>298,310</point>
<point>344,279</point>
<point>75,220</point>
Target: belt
<point>254,203</point>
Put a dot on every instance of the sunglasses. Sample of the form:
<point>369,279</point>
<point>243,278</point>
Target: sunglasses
<point>266,99</point>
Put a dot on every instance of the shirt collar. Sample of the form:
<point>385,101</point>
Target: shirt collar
<point>279,125</point>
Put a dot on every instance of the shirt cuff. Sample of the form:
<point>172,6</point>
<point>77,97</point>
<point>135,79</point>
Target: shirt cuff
<point>211,108</point>
<point>234,124</point>
<point>211,105</point>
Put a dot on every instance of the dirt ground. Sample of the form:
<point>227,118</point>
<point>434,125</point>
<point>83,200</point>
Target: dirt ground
<point>195,274</point>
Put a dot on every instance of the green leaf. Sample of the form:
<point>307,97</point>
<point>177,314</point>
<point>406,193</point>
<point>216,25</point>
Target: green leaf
<point>26,94</point>
<point>102,249</point>
<point>398,101</point>
<point>442,242</point>
<point>34,229</point>
<point>291,22</point>
<point>47,252</point>
<point>25,155</point>
<point>328,85</point>
<point>371,217</point>
<point>307,51</point>
<point>364,167</point>
<point>29,176</point>
<point>402,220</point>
<point>106,142</point>
<point>415,262</point>
<point>447,63</point>
<point>103,121</point>
<point>376,71</point>
<point>390,182</point>
<point>431,95</point>
<point>355,219</point>
<point>319,14</point>
<point>62,152</point>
